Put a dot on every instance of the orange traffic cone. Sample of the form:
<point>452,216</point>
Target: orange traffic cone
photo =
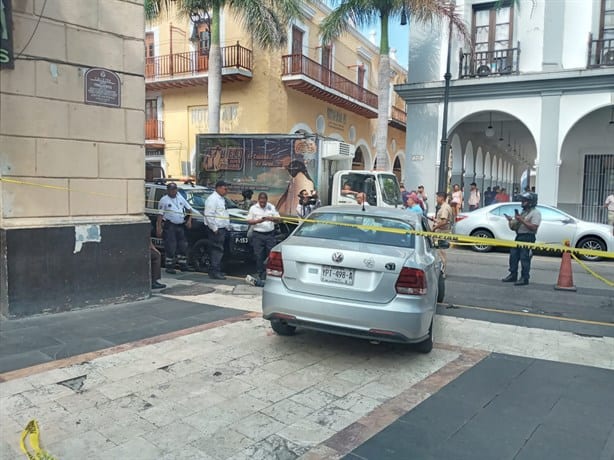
<point>565,281</point>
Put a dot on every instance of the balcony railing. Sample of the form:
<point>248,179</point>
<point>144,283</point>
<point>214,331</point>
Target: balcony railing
<point>600,52</point>
<point>192,63</point>
<point>485,63</point>
<point>297,64</point>
<point>399,115</point>
<point>154,130</point>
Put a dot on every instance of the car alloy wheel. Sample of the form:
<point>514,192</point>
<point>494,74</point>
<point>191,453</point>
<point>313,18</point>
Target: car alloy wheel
<point>482,247</point>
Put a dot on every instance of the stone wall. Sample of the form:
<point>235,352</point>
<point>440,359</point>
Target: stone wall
<point>66,164</point>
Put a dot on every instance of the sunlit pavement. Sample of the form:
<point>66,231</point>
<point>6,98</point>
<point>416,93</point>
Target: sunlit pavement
<point>226,386</point>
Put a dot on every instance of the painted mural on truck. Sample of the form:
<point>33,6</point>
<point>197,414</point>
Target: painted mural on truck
<point>280,166</point>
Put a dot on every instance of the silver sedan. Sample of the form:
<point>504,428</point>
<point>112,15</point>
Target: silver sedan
<point>356,271</point>
<point>556,227</point>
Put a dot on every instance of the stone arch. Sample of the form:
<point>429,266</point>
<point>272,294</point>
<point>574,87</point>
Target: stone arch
<point>367,158</point>
<point>301,128</point>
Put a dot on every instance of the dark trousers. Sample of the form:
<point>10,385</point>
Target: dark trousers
<point>175,242</point>
<point>216,249</point>
<point>156,263</point>
<point>262,243</point>
<point>522,255</point>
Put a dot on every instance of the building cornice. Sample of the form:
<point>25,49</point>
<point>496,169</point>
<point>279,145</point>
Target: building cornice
<point>578,81</point>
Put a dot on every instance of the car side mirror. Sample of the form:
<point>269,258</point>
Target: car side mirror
<point>441,244</point>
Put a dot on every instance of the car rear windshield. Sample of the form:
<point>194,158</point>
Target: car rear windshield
<point>358,227</point>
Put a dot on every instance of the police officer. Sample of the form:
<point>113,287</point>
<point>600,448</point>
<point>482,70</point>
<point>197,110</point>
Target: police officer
<point>262,216</point>
<point>525,224</point>
<point>171,222</point>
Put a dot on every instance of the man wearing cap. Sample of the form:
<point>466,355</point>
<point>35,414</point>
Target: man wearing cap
<point>217,221</point>
<point>170,224</point>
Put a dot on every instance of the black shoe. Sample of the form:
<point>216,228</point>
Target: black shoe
<point>172,271</point>
<point>521,282</point>
<point>216,276</point>
<point>510,278</point>
<point>157,285</point>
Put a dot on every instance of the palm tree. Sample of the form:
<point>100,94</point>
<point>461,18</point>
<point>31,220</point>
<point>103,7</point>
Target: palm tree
<point>265,20</point>
<point>359,13</point>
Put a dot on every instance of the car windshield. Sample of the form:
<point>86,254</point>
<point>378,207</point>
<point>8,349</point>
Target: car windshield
<point>359,228</point>
<point>197,198</point>
<point>390,189</point>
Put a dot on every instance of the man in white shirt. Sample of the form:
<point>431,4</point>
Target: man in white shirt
<point>171,222</point>
<point>474,197</point>
<point>609,205</point>
<point>217,221</point>
<point>262,216</point>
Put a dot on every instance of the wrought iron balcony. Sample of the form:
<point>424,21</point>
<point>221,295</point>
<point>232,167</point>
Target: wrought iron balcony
<point>154,130</point>
<point>600,52</point>
<point>310,77</point>
<point>486,63</point>
<point>192,67</point>
<point>398,118</point>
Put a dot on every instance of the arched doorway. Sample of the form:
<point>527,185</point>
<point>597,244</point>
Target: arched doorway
<point>397,169</point>
<point>359,161</point>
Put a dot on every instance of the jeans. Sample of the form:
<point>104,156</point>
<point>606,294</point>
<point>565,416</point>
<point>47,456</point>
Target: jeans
<point>216,249</point>
<point>522,255</point>
<point>262,243</point>
<point>175,242</point>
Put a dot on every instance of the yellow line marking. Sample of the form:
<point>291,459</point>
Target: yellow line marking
<point>533,315</point>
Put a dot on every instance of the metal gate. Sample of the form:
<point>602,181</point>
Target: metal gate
<point>598,184</point>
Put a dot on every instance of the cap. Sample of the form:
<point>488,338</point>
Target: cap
<point>171,185</point>
<point>221,183</point>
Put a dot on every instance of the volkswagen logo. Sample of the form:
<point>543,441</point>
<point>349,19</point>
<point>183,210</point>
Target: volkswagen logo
<point>337,257</point>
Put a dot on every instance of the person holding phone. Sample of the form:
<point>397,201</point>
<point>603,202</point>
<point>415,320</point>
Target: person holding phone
<point>525,224</point>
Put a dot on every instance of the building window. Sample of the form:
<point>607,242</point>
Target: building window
<point>492,27</point>
<point>151,109</point>
<point>606,23</point>
<point>204,39</point>
<point>327,57</point>
<point>149,45</point>
<point>361,70</point>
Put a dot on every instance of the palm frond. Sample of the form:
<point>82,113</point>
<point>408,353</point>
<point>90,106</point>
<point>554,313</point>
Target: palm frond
<point>351,13</point>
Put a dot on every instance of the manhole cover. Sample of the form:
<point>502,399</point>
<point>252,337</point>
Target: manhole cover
<point>193,289</point>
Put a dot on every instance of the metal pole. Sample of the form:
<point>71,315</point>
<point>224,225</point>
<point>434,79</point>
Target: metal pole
<point>442,185</point>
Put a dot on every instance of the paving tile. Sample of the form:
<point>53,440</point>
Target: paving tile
<point>313,398</point>
<point>306,433</point>
<point>271,392</point>
<point>81,400</point>
<point>258,426</point>
<point>357,403</point>
<point>287,411</point>
<point>125,428</point>
<point>273,447</point>
<point>223,443</point>
<point>172,437</point>
<point>134,449</point>
<point>163,413</point>
<point>333,418</point>
<point>84,445</point>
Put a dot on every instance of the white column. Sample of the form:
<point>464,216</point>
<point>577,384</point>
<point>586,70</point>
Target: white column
<point>547,163</point>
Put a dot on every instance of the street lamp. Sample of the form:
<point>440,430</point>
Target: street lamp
<point>442,185</point>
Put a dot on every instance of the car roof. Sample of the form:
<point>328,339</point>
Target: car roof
<point>181,186</point>
<point>374,211</point>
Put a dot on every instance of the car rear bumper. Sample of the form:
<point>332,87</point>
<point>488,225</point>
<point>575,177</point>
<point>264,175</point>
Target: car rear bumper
<point>405,319</point>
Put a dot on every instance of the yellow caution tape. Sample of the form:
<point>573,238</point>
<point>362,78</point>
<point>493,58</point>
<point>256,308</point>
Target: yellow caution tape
<point>32,434</point>
<point>592,272</point>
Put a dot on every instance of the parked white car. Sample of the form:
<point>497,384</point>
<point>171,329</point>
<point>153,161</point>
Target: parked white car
<point>556,227</point>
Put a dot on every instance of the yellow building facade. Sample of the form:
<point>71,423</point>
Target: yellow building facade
<point>304,87</point>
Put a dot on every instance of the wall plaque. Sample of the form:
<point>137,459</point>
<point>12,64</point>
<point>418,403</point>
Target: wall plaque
<point>6,35</point>
<point>102,87</point>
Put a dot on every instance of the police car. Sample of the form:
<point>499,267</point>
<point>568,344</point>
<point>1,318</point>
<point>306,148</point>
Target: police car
<point>237,247</point>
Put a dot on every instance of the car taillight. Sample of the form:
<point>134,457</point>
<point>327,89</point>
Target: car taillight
<point>461,217</point>
<point>275,264</point>
<point>411,281</point>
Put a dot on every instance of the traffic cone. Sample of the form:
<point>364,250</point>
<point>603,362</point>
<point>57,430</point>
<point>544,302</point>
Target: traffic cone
<point>565,281</point>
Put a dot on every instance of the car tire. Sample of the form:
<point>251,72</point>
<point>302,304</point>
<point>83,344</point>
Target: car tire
<point>594,243</point>
<point>481,233</point>
<point>199,256</point>
<point>282,328</point>
<point>426,345</point>
<point>441,288</point>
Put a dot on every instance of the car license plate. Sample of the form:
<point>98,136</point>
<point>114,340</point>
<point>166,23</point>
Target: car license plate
<point>337,275</point>
<point>157,242</point>
<point>241,240</point>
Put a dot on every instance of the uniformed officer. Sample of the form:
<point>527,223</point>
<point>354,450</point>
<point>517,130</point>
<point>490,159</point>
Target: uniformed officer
<point>170,224</point>
<point>262,216</point>
<point>525,225</point>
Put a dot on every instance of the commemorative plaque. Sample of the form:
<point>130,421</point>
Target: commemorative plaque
<point>102,87</point>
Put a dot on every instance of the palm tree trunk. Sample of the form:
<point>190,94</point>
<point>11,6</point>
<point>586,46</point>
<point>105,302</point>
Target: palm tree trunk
<point>214,80</point>
<point>383,103</point>
<point>383,98</point>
